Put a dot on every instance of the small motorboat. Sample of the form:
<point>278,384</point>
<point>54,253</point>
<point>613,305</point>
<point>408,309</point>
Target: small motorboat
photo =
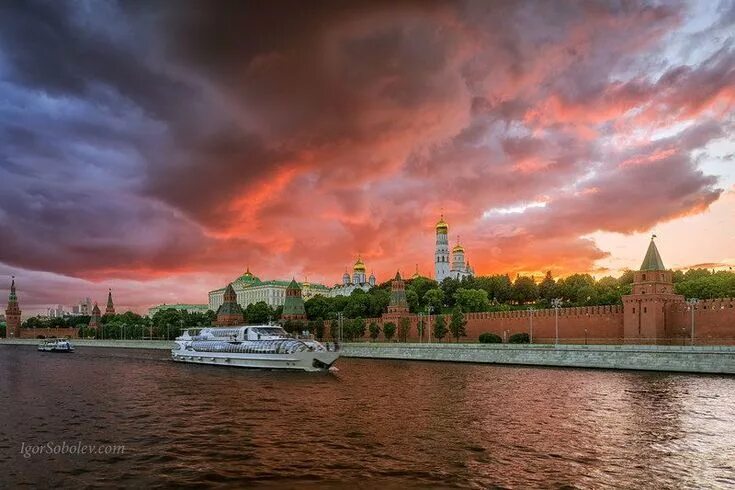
<point>55,345</point>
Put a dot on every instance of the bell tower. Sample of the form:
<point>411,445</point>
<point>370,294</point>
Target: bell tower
<point>441,252</point>
<point>646,311</point>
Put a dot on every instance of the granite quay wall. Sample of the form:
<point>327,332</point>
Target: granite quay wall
<point>120,344</point>
<point>697,359</point>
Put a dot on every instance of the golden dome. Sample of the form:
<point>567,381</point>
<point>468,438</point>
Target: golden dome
<point>359,265</point>
<point>458,248</point>
<point>442,226</point>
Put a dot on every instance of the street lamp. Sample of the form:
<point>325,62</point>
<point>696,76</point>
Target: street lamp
<point>421,327</point>
<point>429,309</point>
<point>530,317</point>
<point>692,302</point>
<point>339,326</point>
<point>556,304</point>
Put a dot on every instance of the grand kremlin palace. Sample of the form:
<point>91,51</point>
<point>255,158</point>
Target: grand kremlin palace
<point>250,289</point>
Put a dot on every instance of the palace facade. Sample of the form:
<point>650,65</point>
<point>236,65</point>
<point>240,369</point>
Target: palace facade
<point>250,289</point>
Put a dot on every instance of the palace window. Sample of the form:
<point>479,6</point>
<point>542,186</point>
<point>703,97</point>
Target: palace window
<point>633,310</point>
<point>645,310</point>
<point>644,277</point>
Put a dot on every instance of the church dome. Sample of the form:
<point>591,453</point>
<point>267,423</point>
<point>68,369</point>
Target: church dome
<point>359,266</point>
<point>458,249</point>
<point>442,226</point>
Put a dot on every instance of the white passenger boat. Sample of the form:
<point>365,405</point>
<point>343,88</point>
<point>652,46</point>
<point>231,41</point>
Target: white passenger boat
<point>254,346</point>
<point>55,345</point>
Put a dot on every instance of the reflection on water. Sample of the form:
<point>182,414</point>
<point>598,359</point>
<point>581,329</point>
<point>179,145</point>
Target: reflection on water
<point>373,423</point>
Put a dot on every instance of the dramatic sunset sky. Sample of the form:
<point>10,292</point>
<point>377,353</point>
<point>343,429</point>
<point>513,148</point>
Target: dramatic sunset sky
<point>159,148</point>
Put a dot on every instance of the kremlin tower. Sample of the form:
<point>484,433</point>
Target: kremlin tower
<point>293,307</point>
<point>230,312</point>
<point>398,305</point>
<point>94,320</point>
<point>648,309</point>
<point>12,314</point>
<point>110,310</point>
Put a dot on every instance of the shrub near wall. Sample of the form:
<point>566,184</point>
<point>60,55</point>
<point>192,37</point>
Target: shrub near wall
<point>519,338</point>
<point>490,338</point>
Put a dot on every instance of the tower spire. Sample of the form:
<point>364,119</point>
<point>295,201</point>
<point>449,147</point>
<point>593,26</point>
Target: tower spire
<point>110,309</point>
<point>652,261</point>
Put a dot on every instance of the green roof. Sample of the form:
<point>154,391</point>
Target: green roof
<point>652,261</point>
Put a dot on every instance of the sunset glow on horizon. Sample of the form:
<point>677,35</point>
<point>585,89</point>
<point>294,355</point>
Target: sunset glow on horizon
<point>160,151</point>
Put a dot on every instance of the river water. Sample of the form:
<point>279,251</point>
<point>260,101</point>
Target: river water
<point>372,424</point>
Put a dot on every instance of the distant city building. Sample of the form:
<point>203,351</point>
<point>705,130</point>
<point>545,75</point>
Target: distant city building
<point>85,307</point>
<point>250,289</point>
<point>229,312</point>
<point>293,307</point>
<point>358,281</point>
<point>110,309</point>
<point>57,312</point>
<point>179,307</point>
<point>457,268</point>
<point>12,314</point>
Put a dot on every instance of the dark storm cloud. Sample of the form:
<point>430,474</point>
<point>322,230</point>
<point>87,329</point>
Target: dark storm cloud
<point>150,137</point>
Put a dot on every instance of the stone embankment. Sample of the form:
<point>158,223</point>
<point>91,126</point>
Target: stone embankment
<point>687,359</point>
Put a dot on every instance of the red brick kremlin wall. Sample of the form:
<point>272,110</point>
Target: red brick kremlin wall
<point>714,324</point>
<point>34,333</point>
<point>713,319</point>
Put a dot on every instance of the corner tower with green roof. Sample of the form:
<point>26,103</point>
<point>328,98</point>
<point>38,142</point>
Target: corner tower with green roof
<point>293,307</point>
<point>647,311</point>
<point>230,312</point>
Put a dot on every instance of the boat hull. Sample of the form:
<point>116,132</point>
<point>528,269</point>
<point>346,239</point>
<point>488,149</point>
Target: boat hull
<point>302,361</point>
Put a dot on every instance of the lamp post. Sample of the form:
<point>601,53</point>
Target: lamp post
<point>339,326</point>
<point>421,327</point>
<point>530,318</point>
<point>429,309</point>
<point>556,304</point>
<point>692,302</point>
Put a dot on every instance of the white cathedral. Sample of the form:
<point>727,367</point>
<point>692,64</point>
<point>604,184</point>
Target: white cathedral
<point>443,268</point>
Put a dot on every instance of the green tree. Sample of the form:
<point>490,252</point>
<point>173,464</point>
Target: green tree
<point>435,299</point>
<point>449,286</point>
<point>404,329</point>
<point>358,305</point>
<point>471,299</point>
<point>457,324</point>
<point>357,328</point>
<point>420,286</point>
<point>374,330</point>
<point>440,328</point>
<point>413,301</point>
<point>389,330</point>
<point>547,289</point>
<point>524,290</point>
<point>258,313</point>
<point>379,300</point>
<point>317,307</point>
